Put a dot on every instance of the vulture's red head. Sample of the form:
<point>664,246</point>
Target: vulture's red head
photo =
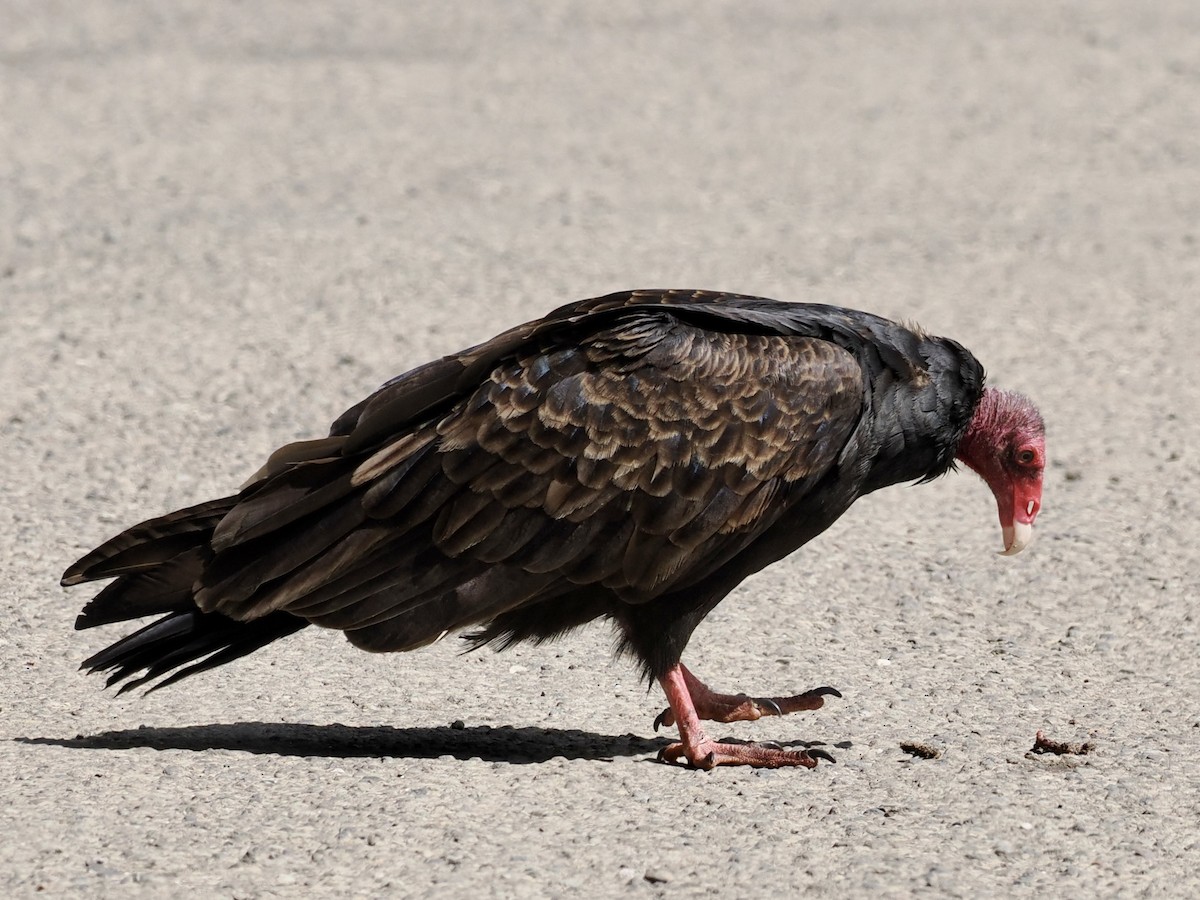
<point>1006,444</point>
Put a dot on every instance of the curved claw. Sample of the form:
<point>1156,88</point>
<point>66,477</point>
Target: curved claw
<point>767,701</point>
<point>826,691</point>
<point>675,755</point>
<point>818,753</point>
<point>661,719</point>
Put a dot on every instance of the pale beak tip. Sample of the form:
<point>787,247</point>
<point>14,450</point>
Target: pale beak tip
<point>1016,538</point>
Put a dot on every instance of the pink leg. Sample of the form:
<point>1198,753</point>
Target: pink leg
<point>702,752</point>
<point>740,707</point>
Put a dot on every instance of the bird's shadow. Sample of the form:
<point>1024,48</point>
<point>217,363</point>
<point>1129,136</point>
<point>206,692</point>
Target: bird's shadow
<point>505,743</point>
<point>492,744</point>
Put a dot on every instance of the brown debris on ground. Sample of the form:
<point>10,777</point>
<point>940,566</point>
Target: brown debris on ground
<point>1043,744</point>
<point>920,750</point>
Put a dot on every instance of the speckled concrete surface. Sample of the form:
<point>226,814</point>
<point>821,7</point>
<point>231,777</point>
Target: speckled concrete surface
<point>222,224</point>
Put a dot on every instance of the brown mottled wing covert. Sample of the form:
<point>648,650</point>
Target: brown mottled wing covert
<point>637,457</point>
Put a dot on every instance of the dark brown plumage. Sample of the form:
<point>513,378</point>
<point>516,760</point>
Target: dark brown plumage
<point>631,457</point>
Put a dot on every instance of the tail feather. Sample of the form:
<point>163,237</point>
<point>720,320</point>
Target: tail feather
<point>158,567</point>
<point>151,543</point>
<point>207,640</point>
<point>129,647</point>
<point>169,587</point>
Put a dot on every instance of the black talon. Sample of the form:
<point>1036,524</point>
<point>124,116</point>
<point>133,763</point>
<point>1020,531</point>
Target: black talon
<point>818,753</point>
<point>661,718</point>
<point>710,761</point>
<point>826,692</point>
<point>767,701</point>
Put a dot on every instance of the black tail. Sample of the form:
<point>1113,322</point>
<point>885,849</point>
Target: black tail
<point>182,638</point>
<point>157,566</point>
<point>150,544</point>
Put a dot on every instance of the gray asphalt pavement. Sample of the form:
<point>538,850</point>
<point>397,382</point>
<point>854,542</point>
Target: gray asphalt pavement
<point>221,224</point>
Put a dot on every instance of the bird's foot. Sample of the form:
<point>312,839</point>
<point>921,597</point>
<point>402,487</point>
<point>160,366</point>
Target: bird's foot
<point>717,707</point>
<point>686,693</point>
<point>708,754</point>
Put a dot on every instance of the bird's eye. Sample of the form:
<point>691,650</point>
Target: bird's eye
<point>1026,457</point>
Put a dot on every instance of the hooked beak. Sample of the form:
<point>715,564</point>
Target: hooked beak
<point>1016,537</point>
<point>1016,521</point>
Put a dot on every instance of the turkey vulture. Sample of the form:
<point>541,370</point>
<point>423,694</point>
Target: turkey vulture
<point>630,457</point>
